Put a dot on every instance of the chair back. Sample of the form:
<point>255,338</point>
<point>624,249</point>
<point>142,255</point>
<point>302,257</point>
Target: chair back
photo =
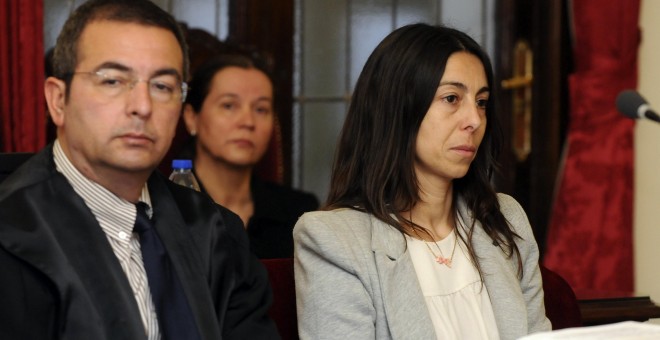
<point>561,305</point>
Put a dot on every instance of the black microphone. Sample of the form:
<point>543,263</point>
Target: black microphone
<point>632,105</point>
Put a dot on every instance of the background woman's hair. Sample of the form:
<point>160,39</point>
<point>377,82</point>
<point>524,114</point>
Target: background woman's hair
<point>233,55</point>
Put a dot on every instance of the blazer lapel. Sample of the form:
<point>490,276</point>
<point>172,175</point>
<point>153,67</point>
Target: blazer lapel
<point>405,308</point>
<point>500,281</point>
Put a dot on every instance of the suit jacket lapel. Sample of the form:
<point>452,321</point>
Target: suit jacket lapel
<point>186,259</point>
<point>405,307</point>
<point>63,240</point>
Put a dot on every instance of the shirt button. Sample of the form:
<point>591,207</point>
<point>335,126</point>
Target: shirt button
<point>123,235</point>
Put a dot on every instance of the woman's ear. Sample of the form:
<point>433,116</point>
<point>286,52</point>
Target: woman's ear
<point>55,92</point>
<point>190,118</point>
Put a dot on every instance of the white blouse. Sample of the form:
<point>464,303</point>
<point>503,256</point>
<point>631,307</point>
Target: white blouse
<point>457,301</point>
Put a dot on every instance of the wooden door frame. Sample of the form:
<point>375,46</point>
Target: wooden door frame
<point>268,25</point>
<point>534,189</point>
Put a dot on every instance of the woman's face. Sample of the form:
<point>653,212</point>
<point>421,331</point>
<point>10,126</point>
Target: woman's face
<point>235,122</point>
<point>454,125</point>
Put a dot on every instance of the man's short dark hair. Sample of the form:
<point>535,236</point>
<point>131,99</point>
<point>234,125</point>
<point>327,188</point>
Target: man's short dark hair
<point>143,12</point>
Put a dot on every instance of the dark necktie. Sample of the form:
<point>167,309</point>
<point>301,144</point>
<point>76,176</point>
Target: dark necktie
<point>174,315</point>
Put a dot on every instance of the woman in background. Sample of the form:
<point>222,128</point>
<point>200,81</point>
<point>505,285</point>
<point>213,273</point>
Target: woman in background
<point>229,112</point>
<point>414,243</point>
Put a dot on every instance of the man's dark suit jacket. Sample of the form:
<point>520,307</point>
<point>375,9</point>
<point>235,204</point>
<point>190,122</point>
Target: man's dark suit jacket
<point>59,277</point>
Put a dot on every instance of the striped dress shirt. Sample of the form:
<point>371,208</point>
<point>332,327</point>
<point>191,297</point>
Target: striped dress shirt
<point>116,216</point>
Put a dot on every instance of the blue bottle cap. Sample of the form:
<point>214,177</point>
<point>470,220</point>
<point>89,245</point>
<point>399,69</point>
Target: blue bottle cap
<point>182,164</point>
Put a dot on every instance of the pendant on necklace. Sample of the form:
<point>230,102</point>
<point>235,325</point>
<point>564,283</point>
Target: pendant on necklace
<point>443,260</point>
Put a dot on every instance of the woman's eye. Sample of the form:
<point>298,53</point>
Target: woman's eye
<point>451,99</point>
<point>482,103</point>
<point>227,106</point>
<point>263,110</point>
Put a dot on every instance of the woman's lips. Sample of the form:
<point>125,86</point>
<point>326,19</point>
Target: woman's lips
<point>245,143</point>
<point>465,149</point>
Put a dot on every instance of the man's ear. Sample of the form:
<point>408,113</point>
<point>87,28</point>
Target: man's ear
<point>55,91</point>
<point>190,118</point>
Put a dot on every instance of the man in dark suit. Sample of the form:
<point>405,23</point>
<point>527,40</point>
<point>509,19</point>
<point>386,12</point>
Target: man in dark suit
<point>71,265</point>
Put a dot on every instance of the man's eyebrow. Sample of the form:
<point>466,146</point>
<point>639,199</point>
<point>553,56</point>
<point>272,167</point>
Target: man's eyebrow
<point>121,67</point>
<point>113,66</point>
<point>167,72</point>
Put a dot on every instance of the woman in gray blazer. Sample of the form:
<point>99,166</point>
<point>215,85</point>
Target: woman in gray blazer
<point>414,243</point>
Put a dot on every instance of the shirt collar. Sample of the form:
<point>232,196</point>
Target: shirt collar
<point>98,198</point>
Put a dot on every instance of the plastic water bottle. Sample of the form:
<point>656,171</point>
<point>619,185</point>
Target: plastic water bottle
<point>182,174</point>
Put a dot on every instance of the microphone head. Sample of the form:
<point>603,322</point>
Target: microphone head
<point>628,103</point>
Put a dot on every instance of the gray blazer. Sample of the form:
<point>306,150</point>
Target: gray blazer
<point>355,279</point>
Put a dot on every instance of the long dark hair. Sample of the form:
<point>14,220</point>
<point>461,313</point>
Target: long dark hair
<point>373,169</point>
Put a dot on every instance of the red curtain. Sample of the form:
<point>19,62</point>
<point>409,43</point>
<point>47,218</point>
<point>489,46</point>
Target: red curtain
<point>22,104</point>
<point>590,236</point>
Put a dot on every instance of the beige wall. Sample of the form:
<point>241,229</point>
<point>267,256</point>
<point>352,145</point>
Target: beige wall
<point>647,159</point>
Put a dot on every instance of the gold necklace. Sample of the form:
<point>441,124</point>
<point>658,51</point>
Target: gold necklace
<point>441,259</point>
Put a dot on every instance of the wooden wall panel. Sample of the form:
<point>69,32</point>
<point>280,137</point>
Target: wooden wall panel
<point>268,25</point>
